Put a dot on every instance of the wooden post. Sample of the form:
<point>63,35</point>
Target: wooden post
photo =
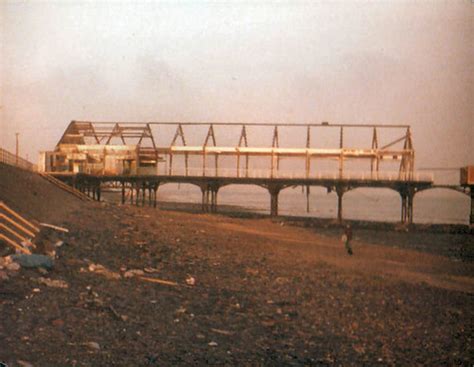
<point>123,192</point>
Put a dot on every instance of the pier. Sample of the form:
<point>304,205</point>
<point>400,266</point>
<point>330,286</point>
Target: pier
<point>137,158</point>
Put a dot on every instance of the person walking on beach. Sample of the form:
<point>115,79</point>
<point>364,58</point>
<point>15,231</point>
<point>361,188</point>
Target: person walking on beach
<point>346,238</point>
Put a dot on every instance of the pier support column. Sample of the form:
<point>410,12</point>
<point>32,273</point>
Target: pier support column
<point>150,196</point>
<point>137,188</point>
<point>407,195</point>
<point>403,217</point>
<point>214,191</point>
<point>410,197</point>
<point>123,193</point>
<point>99,192</point>
<point>340,190</point>
<point>209,197</point>
<point>274,191</point>
<point>205,198</point>
<point>155,191</point>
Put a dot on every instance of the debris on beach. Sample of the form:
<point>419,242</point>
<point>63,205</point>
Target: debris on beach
<point>190,280</point>
<point>57,228</point>
<point>102,270</point>
<point>34,261</point>
<point>92,345</point>
<point>54,283</point>
<point>159,281</point>
<point>133,273</point>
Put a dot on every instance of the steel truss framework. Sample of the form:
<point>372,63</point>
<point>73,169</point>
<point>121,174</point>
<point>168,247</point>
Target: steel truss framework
<point>141,135</point>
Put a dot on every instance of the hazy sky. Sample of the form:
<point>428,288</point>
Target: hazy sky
<point>347,61</point>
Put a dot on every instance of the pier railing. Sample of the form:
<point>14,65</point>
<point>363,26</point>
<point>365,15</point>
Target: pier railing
<point>14,160</point>
<point>287,174</point>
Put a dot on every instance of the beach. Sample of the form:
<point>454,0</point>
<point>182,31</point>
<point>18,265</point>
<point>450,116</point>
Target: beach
<point>224,290</point>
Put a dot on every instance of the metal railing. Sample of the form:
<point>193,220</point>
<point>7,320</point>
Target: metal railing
<point>275,174</point>
<point>285,174</point>
<point>13,160</point>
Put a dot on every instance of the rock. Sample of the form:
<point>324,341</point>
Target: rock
<point>34,261</point>
<point>59,244</point>
<point>94,267</point>
<point>190,281</point>
<point>13,267</point>
<point>4,261</point>
<point>92,345</point>
<point>3,275</point>
<point>213,344</point>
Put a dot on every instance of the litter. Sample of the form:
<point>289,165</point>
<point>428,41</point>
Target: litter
<point>60,229</point>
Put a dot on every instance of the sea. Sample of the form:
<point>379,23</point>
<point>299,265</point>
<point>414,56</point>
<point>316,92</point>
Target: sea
<point>436,206</point>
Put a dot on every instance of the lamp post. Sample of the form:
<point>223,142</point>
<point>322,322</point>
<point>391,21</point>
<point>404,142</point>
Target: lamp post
<point>17,148</point>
